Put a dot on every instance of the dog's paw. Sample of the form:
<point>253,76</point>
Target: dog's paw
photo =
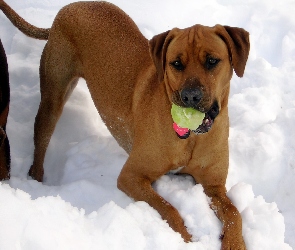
<point>186,236</point>
<point>36,175</point>
<point>232,242</point>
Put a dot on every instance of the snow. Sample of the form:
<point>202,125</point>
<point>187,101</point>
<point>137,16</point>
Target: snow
<point>79,206</point>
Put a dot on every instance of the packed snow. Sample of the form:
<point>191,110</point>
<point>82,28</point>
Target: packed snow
<point>79,206</point>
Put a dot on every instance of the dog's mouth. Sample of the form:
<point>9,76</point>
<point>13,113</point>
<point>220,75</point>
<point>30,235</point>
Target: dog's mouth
<point>208,119</point>
<point>204,127</point>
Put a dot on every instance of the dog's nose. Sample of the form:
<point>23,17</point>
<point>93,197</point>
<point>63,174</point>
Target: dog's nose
<point>191,96</point>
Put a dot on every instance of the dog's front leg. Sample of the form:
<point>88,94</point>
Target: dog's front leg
<point>135,181</point>
<point>230,217</point>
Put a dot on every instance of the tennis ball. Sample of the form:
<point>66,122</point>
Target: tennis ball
<point>187,117</point>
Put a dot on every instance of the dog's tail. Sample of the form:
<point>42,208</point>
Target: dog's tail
<point>22,25</point>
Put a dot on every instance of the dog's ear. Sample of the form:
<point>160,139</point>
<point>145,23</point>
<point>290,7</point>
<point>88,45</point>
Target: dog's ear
<point>237,40</point>
<point>158,47</point>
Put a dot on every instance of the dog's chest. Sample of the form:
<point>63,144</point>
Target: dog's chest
<point>181,151</point>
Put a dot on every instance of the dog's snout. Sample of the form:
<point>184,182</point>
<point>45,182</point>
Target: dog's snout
<point>191,96</point>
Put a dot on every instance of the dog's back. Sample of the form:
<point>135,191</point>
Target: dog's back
<point>100,43</point>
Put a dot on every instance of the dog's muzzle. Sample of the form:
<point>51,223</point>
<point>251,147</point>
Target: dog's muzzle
<point>192,97</point>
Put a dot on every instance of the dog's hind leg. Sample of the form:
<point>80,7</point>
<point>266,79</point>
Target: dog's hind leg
<point>58,77</point>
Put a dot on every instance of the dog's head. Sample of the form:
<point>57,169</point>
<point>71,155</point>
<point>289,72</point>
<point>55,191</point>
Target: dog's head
<point>197,64</point>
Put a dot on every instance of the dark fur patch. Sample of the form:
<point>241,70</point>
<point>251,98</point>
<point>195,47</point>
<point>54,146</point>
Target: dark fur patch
<point>4,108</point>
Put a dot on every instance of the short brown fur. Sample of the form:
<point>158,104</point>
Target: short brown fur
<point>132,83</point>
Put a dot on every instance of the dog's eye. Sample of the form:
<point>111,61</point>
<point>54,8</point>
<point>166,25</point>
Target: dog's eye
<point>177,65</point>
<point>211,62</point>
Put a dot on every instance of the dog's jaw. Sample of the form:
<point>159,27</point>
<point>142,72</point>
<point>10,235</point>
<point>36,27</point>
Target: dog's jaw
<point>208,119</point>
<point>205,126</point>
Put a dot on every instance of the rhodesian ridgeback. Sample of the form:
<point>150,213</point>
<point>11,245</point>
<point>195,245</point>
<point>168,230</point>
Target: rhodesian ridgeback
<point>133,83</point>
<point>4,109</point>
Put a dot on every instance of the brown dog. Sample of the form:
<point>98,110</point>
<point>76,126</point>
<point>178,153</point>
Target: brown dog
<point>4,108</point>
<point>133,83</point>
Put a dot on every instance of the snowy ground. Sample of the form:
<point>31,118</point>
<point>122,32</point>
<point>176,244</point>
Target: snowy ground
<point>79,206</point>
